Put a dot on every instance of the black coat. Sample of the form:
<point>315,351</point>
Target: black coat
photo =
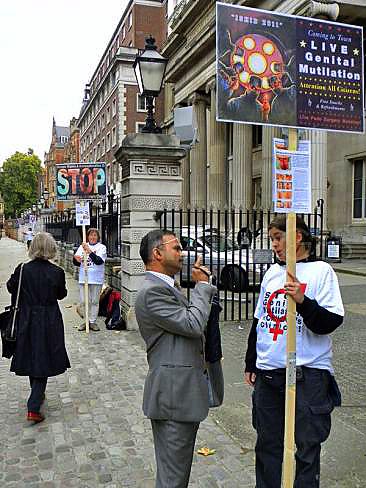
<point>40,346</point>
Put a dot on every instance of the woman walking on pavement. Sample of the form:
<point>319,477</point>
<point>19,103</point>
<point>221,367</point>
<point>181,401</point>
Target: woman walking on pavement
<point>40,345</point>
<point>320,311</point>
<point>96,256</point>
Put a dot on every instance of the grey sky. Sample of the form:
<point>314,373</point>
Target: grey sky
<point>48,50</point>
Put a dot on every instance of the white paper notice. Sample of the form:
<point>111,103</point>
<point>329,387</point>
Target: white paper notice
<point>291,182</point>
<point>82,213</point>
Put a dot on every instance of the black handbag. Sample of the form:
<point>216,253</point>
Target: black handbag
<point>9,323</point>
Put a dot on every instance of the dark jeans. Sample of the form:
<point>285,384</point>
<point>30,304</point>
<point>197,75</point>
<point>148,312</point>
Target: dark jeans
<point>38,388</point>
<point>312,425</point>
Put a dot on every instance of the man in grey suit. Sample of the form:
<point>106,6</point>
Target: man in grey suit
<point>176,391</point>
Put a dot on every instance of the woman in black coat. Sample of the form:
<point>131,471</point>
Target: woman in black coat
<point>40,346</point>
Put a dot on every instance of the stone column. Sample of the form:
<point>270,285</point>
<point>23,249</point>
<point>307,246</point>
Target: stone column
<point>185,165</point>
<point>217,157</point>
<point>268,134</point>
<point>151,181</point>
<point>242,166</point>
<point>319,177</point>
<point>198,156</point>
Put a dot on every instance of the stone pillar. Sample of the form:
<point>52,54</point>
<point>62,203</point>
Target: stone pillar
<point>217,157</point>
<point>198,156</point>
<point>268,134</point>
<point>319,177</point>
<point>151,181</point>
<point>242,166</point>
<point>185,165</point>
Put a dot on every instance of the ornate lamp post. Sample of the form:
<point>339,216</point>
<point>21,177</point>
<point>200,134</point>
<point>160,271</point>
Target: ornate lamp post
<point>46,195</point>
<point>149,67</point>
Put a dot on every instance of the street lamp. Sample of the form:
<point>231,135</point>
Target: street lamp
<point>34,207</point>
<point>46,195</point>
<point>149,67</point>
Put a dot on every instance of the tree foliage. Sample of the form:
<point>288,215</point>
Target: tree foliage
<point>19,182</point>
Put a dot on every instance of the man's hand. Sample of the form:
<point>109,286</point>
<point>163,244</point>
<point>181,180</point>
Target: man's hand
<point>294,289</point>
<point>199,272</point>
<point>249,378</point>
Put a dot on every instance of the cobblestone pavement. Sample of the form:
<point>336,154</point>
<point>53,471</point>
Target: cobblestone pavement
<point>95,434</point>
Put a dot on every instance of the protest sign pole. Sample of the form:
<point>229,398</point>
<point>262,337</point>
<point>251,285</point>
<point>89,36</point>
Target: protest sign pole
<point>86,290</point>
<point>290,403</point>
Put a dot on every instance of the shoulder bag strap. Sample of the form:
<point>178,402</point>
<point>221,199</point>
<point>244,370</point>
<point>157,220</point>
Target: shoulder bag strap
<point>17,302</point>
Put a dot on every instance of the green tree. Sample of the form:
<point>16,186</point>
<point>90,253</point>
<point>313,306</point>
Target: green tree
<point>19,182</point>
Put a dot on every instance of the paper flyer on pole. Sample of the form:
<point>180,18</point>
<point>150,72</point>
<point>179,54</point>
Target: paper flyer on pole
<point>82,213</point>
<point>291,171</point>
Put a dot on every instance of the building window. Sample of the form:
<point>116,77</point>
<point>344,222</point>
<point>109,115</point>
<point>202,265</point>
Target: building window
<point>108,141</point>
<point>257,135</point>
<point>139,126</point>
<point>359,189</point>
<point>129,21</point>
<point>123,32</point>
<point>103,121</point>
<point>108,115</point>
<point>114,107</point>
<point>141,103</point>
<point>98,126</point>
<point>114,136</point>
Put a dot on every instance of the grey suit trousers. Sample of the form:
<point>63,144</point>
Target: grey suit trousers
<point>174,445</point>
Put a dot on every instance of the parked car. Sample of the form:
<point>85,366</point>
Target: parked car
<point>232,265</point>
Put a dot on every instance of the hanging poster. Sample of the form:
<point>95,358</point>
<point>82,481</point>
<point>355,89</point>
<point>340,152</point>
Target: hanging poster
<point>288,71</point>
<point>291,182</point>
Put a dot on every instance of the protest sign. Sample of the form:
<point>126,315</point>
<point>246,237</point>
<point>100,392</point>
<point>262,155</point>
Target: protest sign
<point>288,71</point>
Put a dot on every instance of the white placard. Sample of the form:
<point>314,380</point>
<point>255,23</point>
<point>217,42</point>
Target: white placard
<point>82,213</point>
<point>291,183</point>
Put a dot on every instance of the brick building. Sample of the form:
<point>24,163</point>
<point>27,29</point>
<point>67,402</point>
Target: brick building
<point>54,156</point>
<point>112,106</point>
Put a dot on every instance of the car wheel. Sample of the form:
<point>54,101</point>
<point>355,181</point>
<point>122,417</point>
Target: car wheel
<point>234,278</point>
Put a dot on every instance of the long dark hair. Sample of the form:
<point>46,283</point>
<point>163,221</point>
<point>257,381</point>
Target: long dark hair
<point>279,222</point>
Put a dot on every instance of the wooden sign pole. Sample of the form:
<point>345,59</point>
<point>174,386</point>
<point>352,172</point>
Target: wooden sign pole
<point>290,404</point>
<point>86,291</point>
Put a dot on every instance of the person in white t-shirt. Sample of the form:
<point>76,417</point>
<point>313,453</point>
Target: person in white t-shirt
<point>320,311</point>
<point>97,254</point>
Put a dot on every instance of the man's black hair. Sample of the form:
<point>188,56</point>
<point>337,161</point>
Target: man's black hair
<point>151,240</point>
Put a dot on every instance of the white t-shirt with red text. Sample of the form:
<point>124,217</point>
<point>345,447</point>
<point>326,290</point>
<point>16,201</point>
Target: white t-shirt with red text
<point>313,350</point>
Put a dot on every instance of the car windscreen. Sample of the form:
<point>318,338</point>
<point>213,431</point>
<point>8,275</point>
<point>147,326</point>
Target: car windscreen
<point>220,243</point>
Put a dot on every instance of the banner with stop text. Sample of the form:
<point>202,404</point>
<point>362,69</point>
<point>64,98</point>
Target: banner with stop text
<point>290,71</point>
<point>81,181</point>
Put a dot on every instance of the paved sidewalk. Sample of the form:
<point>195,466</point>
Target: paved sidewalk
<point>95,434</point>
<point>355,267</point>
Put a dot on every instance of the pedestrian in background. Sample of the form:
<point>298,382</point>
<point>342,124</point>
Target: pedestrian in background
<point>96,256</point>
<point>28,236</point>
<point>40,344</point>
<point>320,311</point>
<point>176,396</point>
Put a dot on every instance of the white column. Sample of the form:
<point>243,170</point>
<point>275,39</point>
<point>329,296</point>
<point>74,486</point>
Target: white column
<point>268,134</point>
<point>242,166</point>
<point>216,158</point>
<point>198,156</point>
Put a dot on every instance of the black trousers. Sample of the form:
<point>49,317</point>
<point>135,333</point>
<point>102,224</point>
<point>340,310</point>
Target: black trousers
<point>312,425</point>
<point>38,388</point>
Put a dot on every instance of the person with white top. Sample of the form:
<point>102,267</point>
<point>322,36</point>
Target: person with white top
<point>319,311</point>
<point>97,254</point>
<point>28,236</point>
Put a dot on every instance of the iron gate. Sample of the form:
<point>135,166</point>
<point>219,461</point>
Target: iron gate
<point>235,246</point>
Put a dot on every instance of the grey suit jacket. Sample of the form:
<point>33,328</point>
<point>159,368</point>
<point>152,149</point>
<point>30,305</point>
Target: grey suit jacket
<point>173,329</point>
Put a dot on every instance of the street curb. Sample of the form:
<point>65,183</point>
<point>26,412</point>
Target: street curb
<point>349,271</point>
